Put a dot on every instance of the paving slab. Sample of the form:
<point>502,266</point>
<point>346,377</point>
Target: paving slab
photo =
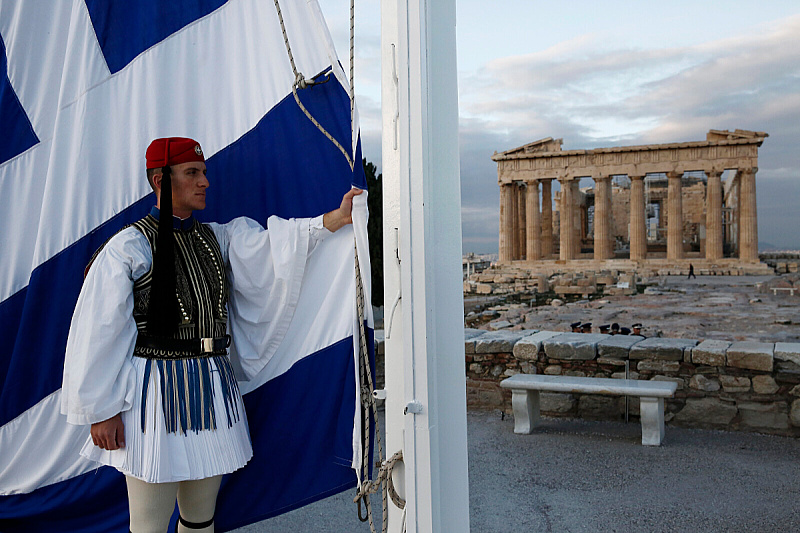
<point>661,348</point>
<point>528,347</point>
<point>617,346</point>
<point>574,346</point>
<point>751,355</point>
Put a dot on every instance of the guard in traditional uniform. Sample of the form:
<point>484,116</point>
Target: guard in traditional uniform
<point>147,362</point>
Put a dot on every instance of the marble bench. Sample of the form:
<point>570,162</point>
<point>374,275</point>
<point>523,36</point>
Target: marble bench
<point>525,390</point>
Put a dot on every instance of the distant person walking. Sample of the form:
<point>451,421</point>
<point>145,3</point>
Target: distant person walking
<point>691,272</point>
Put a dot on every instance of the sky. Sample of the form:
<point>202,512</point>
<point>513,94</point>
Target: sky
<point>600,74</point>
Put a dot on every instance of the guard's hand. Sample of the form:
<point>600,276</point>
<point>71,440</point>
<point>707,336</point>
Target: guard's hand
<point>109,434</point>
<point>342,216</point>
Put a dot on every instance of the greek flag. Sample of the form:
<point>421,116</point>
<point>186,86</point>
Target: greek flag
<point>85,85</point>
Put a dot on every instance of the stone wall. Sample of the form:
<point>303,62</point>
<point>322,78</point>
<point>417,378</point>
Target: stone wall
<point>747,386</point>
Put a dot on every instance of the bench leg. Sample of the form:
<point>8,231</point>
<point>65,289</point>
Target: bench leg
<point>651,411</point>
<point>526,410</point>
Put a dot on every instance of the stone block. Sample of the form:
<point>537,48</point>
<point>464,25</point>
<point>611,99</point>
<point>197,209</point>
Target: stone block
<point>556,402</point>
<point>795,390</point>
<point>787,368</point>
<point>500,324</point>
<point>498,341</point>
<point>764,385</point>
<point>573,346</point>
<point>649,365</point>
<point>702,383</point>
<point>661,348</point>
<point>553,370</point>
<point>613,361</point>
<point>710,352</point>
<point>470,334</point>
<point>773,415</point>
<point>735,383</point>
<point>483,288</point>
<point>617,345</point>
<point>751,355</point>
<point>794,414</point>
<point>706,412</point>
<point>528,347</point>
<point>788,351</point>
<point>680,381</point>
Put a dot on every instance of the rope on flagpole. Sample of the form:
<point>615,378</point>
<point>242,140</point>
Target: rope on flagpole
<point>300,82</point>
<point>369,408</point>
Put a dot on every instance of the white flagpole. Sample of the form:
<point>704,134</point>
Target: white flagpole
<point>426,398</point>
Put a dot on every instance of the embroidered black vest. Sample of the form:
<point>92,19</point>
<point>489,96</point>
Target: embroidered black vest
<point>185,378</point>
<point>200,284</point>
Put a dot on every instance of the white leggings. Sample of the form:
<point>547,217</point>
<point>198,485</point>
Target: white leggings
<point>151,504</point>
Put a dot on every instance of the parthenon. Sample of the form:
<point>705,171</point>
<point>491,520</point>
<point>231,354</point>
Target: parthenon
<point>651,206</point>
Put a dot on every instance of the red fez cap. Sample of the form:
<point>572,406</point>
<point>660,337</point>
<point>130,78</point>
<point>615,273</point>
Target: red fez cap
<point>173,151</point>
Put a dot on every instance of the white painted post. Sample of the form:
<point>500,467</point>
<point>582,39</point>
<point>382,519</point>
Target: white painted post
<point>422,213</point>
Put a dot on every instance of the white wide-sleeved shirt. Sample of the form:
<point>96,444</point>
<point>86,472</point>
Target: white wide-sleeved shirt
<point>102,377</point>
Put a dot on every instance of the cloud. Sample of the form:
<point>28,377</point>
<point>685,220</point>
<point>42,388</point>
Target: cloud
<point>594,97</point>
<point>594,93</point>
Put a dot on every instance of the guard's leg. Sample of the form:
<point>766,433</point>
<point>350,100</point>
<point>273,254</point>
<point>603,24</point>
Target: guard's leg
<point>150,505</point>
<point>197,501</point>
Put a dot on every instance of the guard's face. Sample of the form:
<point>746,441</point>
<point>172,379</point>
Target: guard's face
<point>189,184</point>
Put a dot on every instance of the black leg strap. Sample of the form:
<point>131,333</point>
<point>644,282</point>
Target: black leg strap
<point>195,525</point>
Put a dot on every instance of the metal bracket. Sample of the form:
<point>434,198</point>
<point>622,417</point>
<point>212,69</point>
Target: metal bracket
<point>414,407</point>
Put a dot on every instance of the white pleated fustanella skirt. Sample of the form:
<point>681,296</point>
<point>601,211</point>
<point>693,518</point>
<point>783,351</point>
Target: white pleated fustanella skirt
<point>209,441</point>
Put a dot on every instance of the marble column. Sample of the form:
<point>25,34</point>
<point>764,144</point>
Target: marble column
<point>674,216</point>
<point>522,220</point>
<point>638,221</point>
<point>515,245</point>
<point>534,222</point>
<point>577,225</point>
<point>602,218</point>
<point>506,222</point>
<point>748,218</point>
<point>566,232</point>
<point>714,215</point>
<point>547,218</point>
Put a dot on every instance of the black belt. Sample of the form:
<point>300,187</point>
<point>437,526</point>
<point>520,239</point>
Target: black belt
<point>203,346</point>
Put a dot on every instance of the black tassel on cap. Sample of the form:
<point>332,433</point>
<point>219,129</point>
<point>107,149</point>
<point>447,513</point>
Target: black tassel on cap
<point>162,311</point>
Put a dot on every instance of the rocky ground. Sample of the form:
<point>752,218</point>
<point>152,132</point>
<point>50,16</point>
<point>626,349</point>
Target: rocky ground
<point>729,308</point>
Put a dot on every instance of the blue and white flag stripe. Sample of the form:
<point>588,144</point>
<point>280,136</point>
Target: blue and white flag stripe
<point>92,93</point>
